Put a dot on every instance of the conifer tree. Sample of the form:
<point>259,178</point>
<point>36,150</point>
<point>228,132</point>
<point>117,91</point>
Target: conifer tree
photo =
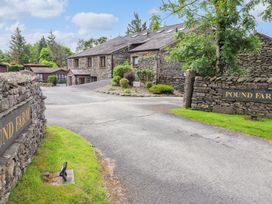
<point>136,25</point>
<point>18,49</point>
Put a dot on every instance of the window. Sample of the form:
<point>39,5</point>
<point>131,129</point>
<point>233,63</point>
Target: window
<point>90,62</point>
<point>40,77</point>
<point>93,78</point>
<point>103,61</point>
<point>135,60</point>
<point>76,63</point>
<point>61,77</point>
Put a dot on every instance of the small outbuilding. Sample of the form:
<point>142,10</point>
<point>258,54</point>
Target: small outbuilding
<point>3,68</point>
<point>30,66</point>
<point>43,73</point>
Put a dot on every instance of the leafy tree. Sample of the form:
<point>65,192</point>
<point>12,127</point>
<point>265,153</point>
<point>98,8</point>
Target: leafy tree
<point>155,23</point>
<point>267,13</point>
<point>4,57</point>
<point>45,54</point>
<point>58,53</point>
<point>18,49</point>
<point>101,40</point>
<point>136,25</point>
<point>83,45</point>
<point>222,30</point>
<point>49,63</point>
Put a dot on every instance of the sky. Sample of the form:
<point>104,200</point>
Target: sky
<point>71,20</point>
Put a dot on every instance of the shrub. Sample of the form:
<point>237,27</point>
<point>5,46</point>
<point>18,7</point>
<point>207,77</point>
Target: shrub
<point>49,63</point>
<point>145,75</point>
<point>115,80</point>
<point>124,83</point>
<point>121,69</point>
<point>52,79</point>
<point>15,68</point>
<point>130,76</point>
<point>148,84</point>
<point>127,91</point>
<point>161,89</point>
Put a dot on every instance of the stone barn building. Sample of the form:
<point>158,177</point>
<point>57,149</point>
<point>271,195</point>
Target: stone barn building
<point>151,52</point>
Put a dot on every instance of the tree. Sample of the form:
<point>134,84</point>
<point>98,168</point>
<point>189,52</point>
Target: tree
<point>4,57</point>
<point>58,52</point>
<point>83,45</point>
<point>18,49</point>
<point>51,39</point>
<point>221,31</point>
<point>45,54</point>
<point>155,23</point>
<point>267,13</point>
<point>136,25</point>
<point>101,40</point>
<point>43,43</point>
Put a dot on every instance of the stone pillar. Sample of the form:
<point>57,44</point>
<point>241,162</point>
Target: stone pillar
<point>189,88</point>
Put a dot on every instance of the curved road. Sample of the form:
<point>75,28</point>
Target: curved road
<point>161,158</point>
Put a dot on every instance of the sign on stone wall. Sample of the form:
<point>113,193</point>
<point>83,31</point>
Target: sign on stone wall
<point>13,124</point>
<point>248,95</point>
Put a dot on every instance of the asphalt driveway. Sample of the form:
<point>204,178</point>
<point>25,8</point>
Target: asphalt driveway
<point>161,158</point>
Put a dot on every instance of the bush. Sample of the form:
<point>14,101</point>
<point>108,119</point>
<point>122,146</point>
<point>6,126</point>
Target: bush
<point>127,91</point>
<point>15,68</point>
<point>130,76</point>
<point>52,79</point>
<point>115,80</point>
<point>121,69</point>
<point>49,63</point>
<point>161,89</point>
<point>145,75</point>
<point>124,83</point>
<point>148,84</point>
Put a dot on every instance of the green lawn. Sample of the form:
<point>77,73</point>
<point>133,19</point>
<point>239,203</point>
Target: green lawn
<point>59,146</point>
<point>239,123</point>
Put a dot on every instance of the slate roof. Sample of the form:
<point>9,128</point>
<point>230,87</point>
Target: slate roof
<point>80,72</point>
<point>46,70</point>
<point>146,41</point>
<point>35,65</point>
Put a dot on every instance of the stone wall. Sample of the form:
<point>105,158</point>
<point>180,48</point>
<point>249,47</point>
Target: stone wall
<point>15,91</point>
<point>120,56</point>
<point>165,72</point>
<point>259,65</point>
<point>208,95</point>
<point>101,72</point>
<point>171,73</point>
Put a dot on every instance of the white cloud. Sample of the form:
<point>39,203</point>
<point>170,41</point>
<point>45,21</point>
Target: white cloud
<point>154,11</point>
<point>94,21</point>
<point>16,9</point>
<point>11,28</point>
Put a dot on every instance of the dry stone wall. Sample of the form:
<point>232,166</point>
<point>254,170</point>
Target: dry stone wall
<point>232,95</point>
<point>17,90</point>
<point>259,65</point>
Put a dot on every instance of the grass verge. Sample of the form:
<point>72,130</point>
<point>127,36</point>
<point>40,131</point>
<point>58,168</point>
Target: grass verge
<point>239,123</point>
<point>61,145</point>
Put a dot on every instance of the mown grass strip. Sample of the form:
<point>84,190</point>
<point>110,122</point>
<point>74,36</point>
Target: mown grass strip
<point>240,123</point>
<point>61,145</point>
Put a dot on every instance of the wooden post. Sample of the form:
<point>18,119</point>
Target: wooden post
<point>189,88</point>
